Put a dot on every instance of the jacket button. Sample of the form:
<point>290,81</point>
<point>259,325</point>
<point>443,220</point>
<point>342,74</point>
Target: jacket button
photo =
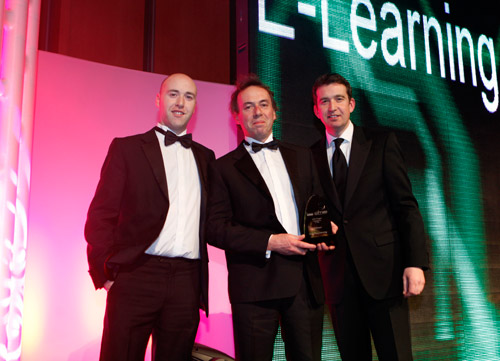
<point>345,221</point>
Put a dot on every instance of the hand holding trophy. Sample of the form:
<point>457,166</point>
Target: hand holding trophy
<point>317,225</point>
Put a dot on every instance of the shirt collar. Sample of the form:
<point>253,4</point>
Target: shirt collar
<point>252,140</point>
<point>346,135</point>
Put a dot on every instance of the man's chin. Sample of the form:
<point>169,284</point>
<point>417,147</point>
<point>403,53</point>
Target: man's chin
<point>178,126</point>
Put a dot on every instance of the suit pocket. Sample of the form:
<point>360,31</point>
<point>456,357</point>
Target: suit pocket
<point>386,238</point>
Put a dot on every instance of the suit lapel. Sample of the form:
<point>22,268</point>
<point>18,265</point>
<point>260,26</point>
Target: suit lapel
<point>152,151</point>
<point>247,167</point>
<point>359,153</point>
<point>323,167</point>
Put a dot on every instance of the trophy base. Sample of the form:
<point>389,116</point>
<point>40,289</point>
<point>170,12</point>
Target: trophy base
<point>328,240</point>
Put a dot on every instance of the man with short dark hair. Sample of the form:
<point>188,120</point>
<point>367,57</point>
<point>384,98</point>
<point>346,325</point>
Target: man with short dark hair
<point>380,250</point>
<point>145,232</point>
<point>258,194</point>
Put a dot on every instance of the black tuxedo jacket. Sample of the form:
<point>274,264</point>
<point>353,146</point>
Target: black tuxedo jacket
<point>131,204</point>
<point>379,220</point>
<point>242,218</point>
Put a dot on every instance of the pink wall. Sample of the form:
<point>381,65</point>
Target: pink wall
<point>80,107</point>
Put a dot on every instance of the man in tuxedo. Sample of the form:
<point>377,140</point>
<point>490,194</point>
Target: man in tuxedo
<point>145,234</point>
<point>258,194</point>
<point>381,252</point>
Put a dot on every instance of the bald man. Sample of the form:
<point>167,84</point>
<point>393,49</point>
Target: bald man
<point>145,230</point>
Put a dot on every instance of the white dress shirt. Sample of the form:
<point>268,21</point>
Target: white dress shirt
<point>180,236</point>
<point>272,167</point>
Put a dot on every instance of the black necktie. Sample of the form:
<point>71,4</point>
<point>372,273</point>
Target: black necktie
<point>256,147</point>
<point>339,166</point>
<point>170,138</point>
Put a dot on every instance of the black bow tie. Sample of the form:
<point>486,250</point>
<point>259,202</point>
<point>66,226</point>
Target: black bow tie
<point>170,138</point>
<point>256,147</point>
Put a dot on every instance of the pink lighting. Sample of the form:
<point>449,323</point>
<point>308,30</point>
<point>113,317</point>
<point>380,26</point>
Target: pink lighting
<point>80,107</point>
<point>18,45</point>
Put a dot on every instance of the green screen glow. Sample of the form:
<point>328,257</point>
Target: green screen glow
<point>428,71</point>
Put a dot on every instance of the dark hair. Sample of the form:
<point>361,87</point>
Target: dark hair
<point>331,78</point>
<point>245,82</point>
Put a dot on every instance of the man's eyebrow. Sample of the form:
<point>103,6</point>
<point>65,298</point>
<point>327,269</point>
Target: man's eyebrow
<point>178,92</point>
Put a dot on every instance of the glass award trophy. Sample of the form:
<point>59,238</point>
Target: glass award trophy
<point>317,225</point>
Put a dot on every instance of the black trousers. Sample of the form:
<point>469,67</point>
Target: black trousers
<point>255,326</point>
<point>160,297</point>
<point>358,315</point>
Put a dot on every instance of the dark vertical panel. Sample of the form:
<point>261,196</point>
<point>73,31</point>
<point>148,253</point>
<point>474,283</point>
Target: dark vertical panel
<point>149,34</point>
<point>193,37</point>
<point>240,53</point>
<point>49,25</point>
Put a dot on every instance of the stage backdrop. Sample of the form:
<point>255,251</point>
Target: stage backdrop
<point>80,107</point>
<point>428,70</point>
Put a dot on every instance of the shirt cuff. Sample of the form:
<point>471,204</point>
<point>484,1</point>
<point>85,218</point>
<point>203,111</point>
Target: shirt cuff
<point>268,252</point>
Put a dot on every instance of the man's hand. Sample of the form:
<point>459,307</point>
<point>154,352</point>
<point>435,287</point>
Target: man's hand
<point>413,281</point>
<point>322,246</point>
<point>289,244</point>
<point>108,284</point>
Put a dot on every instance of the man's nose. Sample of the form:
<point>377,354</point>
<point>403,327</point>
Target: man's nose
<point>180,102</point>
<point>331,105</point>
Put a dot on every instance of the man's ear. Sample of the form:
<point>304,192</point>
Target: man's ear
<point>157,100</point>
<point>236,119</point>
<point>316,112</point>
<point>352,104</point>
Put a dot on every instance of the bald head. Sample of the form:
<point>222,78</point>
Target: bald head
<point>176,101</point>
<point>175,76</point>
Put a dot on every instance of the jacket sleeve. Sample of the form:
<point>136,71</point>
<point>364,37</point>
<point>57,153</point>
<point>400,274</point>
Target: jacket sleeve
<point>224,230</point>
<point>404,206</point>
<point>103,214</point>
